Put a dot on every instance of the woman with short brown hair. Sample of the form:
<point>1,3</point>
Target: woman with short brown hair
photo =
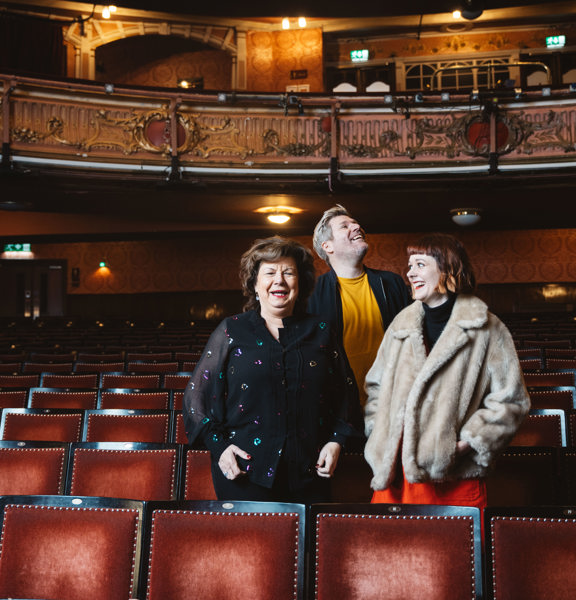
<point>446,392</point>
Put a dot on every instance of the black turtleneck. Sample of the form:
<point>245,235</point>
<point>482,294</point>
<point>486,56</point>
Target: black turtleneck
<point>435,319</point>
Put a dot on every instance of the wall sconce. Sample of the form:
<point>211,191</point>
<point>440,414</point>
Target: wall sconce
<point>465,217</point>
<point>278,214</point>
<point>191,83</point>
<point>107,11</point>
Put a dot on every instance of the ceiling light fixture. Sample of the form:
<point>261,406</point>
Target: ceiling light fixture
<point>107,11</point>
<point>278,214</point>
<point>465,217</point>
<point>472,9</point>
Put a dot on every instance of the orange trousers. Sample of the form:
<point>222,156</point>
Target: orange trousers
<point>466,492</point>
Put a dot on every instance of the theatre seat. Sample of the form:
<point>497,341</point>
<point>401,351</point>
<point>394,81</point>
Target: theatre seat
<point>351,480</point>
<point>542,427</point>
<point>117,425</point>
<point>41,424</point>
<point>41,397</point>
<point>72,380</point>
<point>32,467</point>
<point>129,380</point>
<point>225,551</point>
<point>98,367</point>
<point>137,399</point>
<point>13,398</point>
<point>393,552</point>
<point>562,397</point>
<point>19,381</point>
<point>69,548</point>
<point>125,470</point>
<point>525,476</point>
<point>531,553</point>
<point>197,483</point>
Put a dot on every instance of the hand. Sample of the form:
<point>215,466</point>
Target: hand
<point>462,448</point>
<point>228,463</point>
<point>328,459</point>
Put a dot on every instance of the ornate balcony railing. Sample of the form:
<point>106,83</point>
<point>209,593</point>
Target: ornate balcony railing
<point>95,126</point>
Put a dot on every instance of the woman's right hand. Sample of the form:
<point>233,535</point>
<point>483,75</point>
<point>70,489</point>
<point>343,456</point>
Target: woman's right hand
<point>228,463</point>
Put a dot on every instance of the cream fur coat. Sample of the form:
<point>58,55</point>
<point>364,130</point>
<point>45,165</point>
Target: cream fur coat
<point>470,387</point>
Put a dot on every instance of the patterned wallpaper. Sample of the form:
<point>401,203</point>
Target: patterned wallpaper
<point>271,56</point>
<point>202,262</point>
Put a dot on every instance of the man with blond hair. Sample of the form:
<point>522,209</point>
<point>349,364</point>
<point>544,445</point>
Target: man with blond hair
<point>358,302</point>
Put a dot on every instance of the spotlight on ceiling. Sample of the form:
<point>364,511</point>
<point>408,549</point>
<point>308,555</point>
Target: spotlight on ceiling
<point>278,214</point>
<point>472,9</point>
<point>465,217</point>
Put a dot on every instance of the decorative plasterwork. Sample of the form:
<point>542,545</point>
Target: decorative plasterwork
<point>98,33</point>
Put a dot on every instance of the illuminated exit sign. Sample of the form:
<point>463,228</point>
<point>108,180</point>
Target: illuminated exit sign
<point>555,41</point>
<point>359,55</point>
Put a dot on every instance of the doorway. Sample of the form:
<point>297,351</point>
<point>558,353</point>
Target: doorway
<point>33,288</point>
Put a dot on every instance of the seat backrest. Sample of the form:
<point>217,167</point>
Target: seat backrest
<point>70,548</point>
<point>562,397</point>
<point>41,424</point>
<point>19,381</point>
<point>351,480</point>
<point>127,398</point>
<point>31,367</point>
<point>52,357</point>
<point>549,378</point>
<point>74,380</point>
<point>531,553</point>
<point>98,367</point>
<point>525,476</point>
<point>129,381</point>
<point>530,364</point>
<point>32,467</point>
<point>13,398</point>
<point>542,427</point>
<point>125,470</point>
<point>176,381</point>
<point>197,477</point>
<point>228,551</point>
<point>178,431</point>
<point>126,425</point>
<point>100,357</point>
<point>150,357</point>
<point>42,397</point>
<point>11,368</point>
<point>386,552</point>
<point>560,363</point>
<point>152,367</point>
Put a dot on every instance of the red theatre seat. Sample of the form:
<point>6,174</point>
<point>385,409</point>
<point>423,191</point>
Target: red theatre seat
<point>388,552</point>
<point>69,548</point>
<point>225,551</point>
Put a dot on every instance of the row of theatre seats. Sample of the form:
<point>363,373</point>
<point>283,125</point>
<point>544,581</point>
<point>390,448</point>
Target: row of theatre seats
<point>102,498</point>
<point>77,547</point>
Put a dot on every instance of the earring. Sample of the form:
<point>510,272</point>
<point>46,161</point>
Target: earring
<point>257,298</point>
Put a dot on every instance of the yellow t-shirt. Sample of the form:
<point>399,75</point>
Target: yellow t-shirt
<point>363,328</point>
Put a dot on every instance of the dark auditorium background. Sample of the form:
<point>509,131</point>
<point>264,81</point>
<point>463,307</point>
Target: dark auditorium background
<point>172,239</point>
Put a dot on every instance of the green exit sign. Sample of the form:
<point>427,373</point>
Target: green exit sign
<point>17,248</point>
<point>359,55</point>
<point>555,41</point>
